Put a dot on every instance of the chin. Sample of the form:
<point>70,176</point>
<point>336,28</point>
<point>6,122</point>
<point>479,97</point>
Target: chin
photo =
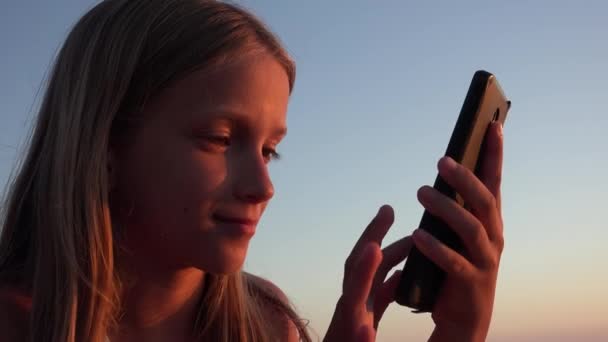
<point>225,262</point>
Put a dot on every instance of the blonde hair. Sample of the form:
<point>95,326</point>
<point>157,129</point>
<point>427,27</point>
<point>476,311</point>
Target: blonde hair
<point>58,239</point>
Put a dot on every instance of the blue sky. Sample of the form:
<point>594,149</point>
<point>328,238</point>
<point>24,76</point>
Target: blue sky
<point>378,89</point>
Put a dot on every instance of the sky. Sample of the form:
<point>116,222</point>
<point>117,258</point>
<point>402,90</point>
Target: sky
<point>379,86</point>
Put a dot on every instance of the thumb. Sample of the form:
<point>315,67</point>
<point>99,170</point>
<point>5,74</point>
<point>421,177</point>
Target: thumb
<point>385,296</point>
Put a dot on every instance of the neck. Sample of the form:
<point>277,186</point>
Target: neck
<point>160,305</point>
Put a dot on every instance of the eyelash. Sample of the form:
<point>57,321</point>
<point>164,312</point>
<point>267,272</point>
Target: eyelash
<point>224,141</point>
<point>272,154</point>
<point>219,140</point>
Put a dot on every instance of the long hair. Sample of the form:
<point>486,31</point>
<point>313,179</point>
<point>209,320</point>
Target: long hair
<point>57,237</point>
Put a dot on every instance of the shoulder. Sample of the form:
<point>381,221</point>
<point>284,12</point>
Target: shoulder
<point>267,286</point>
<point>15,307</point>
<point>279,308</point>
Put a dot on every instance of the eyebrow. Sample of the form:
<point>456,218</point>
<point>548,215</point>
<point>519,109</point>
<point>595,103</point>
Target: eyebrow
<point>232,115</point>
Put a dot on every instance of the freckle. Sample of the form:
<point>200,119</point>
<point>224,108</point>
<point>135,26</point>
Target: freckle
<point>186,210</point>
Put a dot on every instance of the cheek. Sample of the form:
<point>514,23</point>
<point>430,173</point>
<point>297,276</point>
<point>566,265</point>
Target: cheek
<point>174,185</point>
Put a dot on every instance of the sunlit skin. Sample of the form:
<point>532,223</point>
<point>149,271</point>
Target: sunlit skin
<point>192,182</point>
<point>191,187</point>
<point>463,310</point>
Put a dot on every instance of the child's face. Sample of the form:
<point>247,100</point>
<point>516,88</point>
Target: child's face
<point>196,174</point>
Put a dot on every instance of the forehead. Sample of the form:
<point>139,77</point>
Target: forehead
<point>256,87</point>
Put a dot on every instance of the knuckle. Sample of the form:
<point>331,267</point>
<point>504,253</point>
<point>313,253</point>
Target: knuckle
<point>477,234</point>
<point>497,180</point>
<point>488,203</point>
<point>500,243</point>
<point>455,266</point>
<point>380,256</point>
<point>464,173</point>
<point>492,202</point>
<point>344,304</point>
<point>348,265</point>
<point>493,262</point>
<point>349,260</point>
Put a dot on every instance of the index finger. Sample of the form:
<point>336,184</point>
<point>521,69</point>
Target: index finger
<point>358,284</point>
<point>376,229</point>
<point>490,172</point>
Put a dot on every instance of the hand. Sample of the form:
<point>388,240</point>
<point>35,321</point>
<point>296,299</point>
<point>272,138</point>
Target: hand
<point>463,309</point>
<point>365,294</point>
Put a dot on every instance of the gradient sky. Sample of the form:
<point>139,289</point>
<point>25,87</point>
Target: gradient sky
<point>378,90</point>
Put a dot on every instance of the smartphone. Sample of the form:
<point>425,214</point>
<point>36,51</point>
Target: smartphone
<point>485,102</point>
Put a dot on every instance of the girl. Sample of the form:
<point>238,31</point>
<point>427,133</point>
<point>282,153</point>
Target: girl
<point>146,175</point>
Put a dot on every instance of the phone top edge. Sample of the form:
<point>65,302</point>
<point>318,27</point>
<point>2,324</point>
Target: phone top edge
<point>468,112</point>
<point>491,78</point>
<point>482,74</point>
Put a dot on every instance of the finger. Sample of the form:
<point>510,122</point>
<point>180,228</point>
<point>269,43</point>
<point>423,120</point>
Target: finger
<point>358,283</point>
<point>374,233</point>
<point>397,251</point>
<point>392,255</point>
<point>385,296</point>
<point>443,256</point>
<point>475,194</point>
<point>378,227</point>
<point>490,171</point>
<point>463,223</point>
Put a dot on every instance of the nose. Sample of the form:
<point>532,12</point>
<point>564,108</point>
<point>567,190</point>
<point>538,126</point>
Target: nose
<point>252,182</point>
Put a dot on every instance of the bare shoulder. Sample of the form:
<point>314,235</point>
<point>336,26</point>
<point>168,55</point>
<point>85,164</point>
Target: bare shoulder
<point>15,307</point>
<point>288,328</point>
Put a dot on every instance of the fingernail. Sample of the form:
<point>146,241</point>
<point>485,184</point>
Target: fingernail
<point>448,162</point>
<point>424,193</point>
<point>381,208</point>
<point>385,212</point>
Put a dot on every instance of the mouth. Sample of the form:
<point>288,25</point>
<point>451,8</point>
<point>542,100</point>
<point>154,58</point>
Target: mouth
<point>236,224</point>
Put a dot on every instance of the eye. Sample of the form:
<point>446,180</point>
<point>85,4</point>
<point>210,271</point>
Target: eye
<point>221,140</point>
<point>214,143</point>
<point>270,154</point>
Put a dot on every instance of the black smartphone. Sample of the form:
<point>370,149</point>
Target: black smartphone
<point>485,102</point>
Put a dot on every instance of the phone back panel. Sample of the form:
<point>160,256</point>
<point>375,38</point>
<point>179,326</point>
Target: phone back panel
<point>493,106</point>
<point>485,102</point>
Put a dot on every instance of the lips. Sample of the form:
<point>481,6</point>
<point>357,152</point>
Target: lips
<point>235,219</point>
<point>236,225</point>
